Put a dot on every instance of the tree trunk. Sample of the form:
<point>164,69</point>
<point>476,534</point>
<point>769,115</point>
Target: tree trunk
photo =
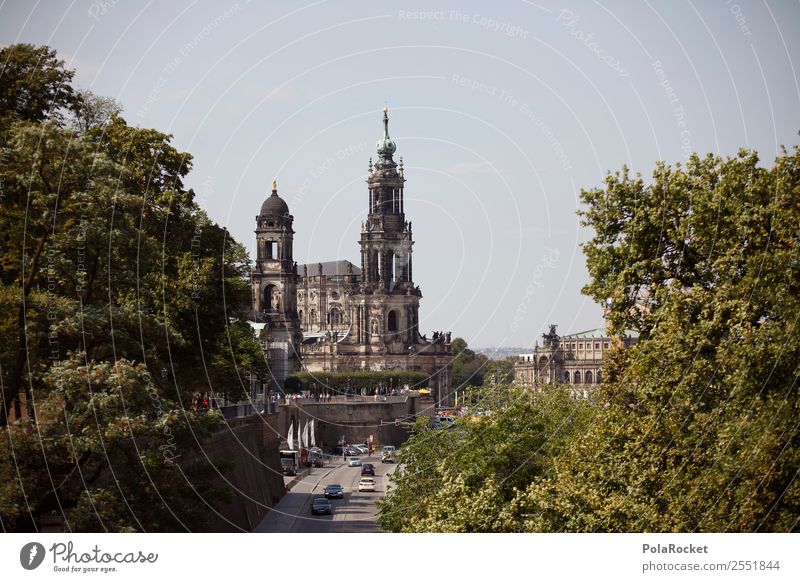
<point>12,389</point>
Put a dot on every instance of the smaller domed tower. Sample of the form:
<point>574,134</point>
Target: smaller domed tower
<point>274,280</point>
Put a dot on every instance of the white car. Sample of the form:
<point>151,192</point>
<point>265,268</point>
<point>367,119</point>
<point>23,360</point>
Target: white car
<point>366,484</point>
<point>354,462</point>
<point>364,450</point>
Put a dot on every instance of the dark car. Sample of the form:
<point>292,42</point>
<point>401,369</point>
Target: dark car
<point>368,469</point>
<point>321,506</point>
<point>352,452</point>
<point>337,451</point>
<point>334,492</point>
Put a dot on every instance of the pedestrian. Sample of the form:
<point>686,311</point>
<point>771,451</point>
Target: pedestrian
<point>205,402</point>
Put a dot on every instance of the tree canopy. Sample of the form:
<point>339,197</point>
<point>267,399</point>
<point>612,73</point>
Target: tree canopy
<point>465,478</point>
<point>468,366</point>
<point>120,299</point>
<point>34,85</point>
<point>694,428</point>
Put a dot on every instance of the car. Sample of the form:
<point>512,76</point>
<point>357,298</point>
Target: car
<point>364,450</point>
<point>368,469</point>
<point>387,457</point>
<point>366,484</point>
<point>351,451</point>
<point>334,491</point>
<point>321,506</point>
<point>354,462</point>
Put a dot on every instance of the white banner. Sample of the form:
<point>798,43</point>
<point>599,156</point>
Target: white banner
<point>589,557</point>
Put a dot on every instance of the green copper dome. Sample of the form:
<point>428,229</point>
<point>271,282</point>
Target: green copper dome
<point>385,146</point>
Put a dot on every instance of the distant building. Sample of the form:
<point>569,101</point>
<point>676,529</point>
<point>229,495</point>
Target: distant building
<point>576,359</point>
<point>499,353</point>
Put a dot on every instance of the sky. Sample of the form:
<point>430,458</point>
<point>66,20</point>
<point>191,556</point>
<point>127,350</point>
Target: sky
<point>501,111</point>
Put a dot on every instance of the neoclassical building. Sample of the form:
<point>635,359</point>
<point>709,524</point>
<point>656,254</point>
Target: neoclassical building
<point>337,316</point>
<point>575,359</point>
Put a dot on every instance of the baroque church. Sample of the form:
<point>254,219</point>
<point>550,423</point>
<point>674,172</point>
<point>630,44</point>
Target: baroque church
<point>338,316</point>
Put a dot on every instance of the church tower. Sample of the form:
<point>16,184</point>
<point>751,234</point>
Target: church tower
<point>386,247</point>
<point>274,281</point>
<point>356,319</point>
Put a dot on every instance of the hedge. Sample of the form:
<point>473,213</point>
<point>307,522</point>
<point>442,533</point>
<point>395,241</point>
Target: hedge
<point>340,381</point>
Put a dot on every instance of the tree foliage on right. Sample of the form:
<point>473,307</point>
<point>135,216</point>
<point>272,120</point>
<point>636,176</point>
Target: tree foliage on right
<point>699,430</point>
<point>696,427</point>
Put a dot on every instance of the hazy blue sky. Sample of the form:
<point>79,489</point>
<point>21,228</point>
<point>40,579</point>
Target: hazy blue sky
<point>502,111</point>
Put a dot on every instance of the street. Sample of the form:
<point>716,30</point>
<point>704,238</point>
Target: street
<point>356,513</point>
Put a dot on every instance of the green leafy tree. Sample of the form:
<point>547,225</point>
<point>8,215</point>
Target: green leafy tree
<point>34,85</point>
<point>466,478</point>
<point>699,425</point>
<point>499,371</point>
<point>119,300</point>
<point>91,113</point>
<point>468,367</point>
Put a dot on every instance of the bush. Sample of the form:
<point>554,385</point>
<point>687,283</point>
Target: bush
<point>340,381</point>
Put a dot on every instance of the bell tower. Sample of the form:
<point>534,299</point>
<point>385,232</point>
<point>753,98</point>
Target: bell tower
<point>386,247</point>
<point>274,280</point>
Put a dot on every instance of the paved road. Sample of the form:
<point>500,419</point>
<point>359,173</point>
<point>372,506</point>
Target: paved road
<point>355,513</point>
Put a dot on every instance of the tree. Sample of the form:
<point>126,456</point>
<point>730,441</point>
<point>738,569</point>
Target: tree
<point>106,458</point>
<point>119,299</point>
<point>699,425</point>
<point>93,112</point>
<point>499,371</point>
<point>34,85</point>
<point>466,478</point>
<point>468,367</point>
<point>695,428</point>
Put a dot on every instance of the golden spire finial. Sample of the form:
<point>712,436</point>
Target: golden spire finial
<point>385,107</point>
<point>274,184</point>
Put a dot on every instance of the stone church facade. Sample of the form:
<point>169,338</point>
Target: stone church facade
<point>575,359</point>
<point>338,316</point>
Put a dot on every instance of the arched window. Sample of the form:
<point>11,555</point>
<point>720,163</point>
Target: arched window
<point>392,320</point>
<point>589,378</point>
<point>269,300</point>
<point>599,377</point>
<point>577,377</point>
<point>300,316</point>
<point>335,316</point>
<point>566,377</point>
